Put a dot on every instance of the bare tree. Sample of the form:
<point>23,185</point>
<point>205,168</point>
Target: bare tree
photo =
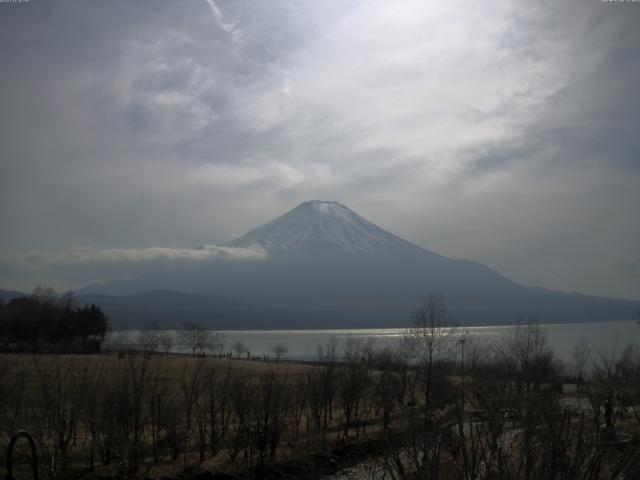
<point>614,377</point>
<point>195,338</point>
<point>430,341</point>
<point>527,353</point>
<point>270,412</point>
<point>191,384</point>
<point>59,398</point>
<point>149,337</point>
<point>166,341</point>
<point>216,343</point>
<point>139,373</point>
<point>581,357</point>
<point>242,394</point>
<point>387,385</point>
<point>217,404</point>
<point>328,357</point>
<point>279,350</point>
<point>239,348</point>
<point>44,293</point>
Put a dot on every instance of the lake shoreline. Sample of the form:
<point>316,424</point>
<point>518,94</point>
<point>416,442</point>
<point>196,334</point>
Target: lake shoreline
<point>303,345</point>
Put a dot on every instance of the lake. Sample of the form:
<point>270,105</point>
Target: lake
<point>303,344</point>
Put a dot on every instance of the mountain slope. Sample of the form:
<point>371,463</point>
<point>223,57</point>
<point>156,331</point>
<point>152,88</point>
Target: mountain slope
<point>170,309</point>
<point>335,268</point>
<point>316,224</point>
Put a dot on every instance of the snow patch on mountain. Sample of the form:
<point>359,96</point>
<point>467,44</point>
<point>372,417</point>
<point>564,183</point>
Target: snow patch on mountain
<point>320,222</point>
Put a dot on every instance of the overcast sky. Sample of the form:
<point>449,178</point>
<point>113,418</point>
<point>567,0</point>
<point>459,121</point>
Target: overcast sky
<point>499,131</point>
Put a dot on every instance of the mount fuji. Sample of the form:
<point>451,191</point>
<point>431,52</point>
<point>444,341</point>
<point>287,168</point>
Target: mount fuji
<point>327,267</point>
<point>321,225</point>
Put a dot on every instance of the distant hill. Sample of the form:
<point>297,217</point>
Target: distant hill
<point>326,266</point>
<point>7,295</point>
<point>170,309</point>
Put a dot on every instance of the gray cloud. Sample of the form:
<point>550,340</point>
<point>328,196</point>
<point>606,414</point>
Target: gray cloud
<point>230,28</point>
<point>88,265</point>
<point>632,268</point>
<point>90,255</point>
<point>498,132</point>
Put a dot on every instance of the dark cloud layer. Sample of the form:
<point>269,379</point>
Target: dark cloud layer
<point>500,132</point>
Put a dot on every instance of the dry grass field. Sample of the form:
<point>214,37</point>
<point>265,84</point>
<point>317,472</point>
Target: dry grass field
<point>511,416</point>
<point>162,414</point>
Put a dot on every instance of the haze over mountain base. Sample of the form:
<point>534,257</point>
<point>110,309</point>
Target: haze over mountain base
<point>324,266</point>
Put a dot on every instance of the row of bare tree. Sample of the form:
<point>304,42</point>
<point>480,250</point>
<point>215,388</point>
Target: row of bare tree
<point>196,340</point>
<point>510,416</point>
<point>441,406</point>
<point>140,410</point>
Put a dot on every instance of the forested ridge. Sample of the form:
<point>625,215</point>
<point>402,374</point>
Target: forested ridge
<point>48,322</point>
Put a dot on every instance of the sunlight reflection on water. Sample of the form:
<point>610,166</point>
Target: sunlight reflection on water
<point>303,344</point>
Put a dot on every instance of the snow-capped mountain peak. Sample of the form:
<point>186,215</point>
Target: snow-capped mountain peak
<point>319,222</point>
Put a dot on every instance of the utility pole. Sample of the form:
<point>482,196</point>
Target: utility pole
<point>462,340</point>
